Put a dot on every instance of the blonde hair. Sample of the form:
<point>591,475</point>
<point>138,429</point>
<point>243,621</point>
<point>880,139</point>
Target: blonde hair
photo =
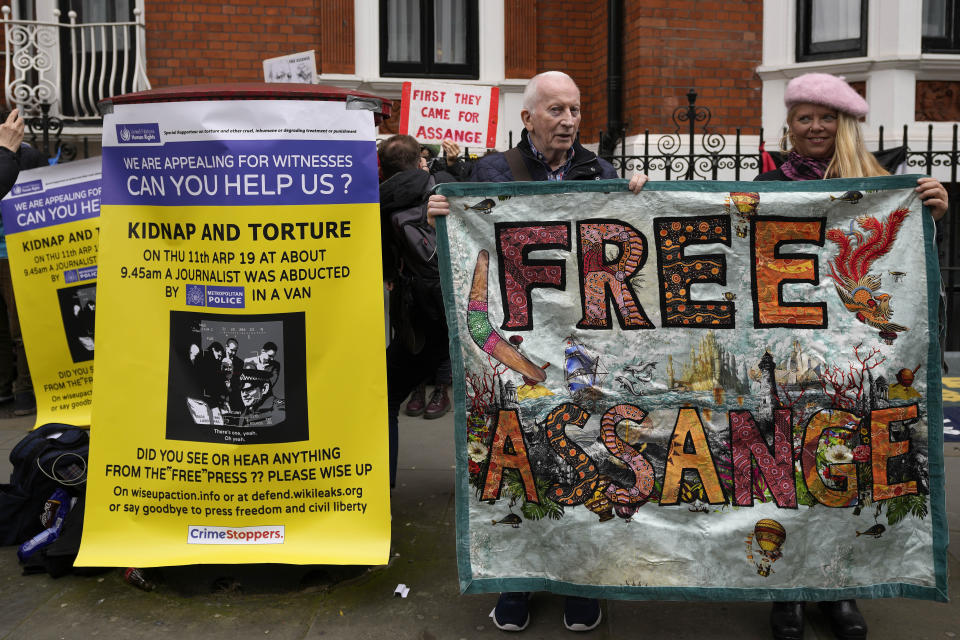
<point>850,156</point>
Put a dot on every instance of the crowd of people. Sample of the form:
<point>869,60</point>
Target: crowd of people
<point>823,141</point>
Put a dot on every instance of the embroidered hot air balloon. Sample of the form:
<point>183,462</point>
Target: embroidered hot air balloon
<point>745,201</point>
<point>770,535</point>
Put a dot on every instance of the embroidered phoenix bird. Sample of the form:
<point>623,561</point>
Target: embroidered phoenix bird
<point>856,286</point>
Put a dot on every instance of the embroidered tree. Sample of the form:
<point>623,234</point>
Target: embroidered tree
<point>845,387</point>
<point>787,401</point>
<point>482,387</point>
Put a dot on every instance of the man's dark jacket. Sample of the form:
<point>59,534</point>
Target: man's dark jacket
<point>585,166</point>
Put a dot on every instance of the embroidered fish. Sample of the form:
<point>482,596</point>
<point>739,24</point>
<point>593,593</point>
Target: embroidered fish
<point>875,531</point>
<point>853,197</point>
<point>642,372</point>
<point>627,384</point>
<point>511,519</point>
<point>484,206</point>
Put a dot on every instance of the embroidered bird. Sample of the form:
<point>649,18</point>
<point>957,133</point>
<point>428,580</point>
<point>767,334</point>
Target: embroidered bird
<point>858,289</point>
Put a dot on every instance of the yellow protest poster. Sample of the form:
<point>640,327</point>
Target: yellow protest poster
<point>240,410</point>
<point>51,220</point>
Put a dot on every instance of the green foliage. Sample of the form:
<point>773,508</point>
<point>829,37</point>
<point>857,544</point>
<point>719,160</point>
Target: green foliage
<point>546,509</point>
<point>803,495</point>
<point>532,511</point>
<point>899,508</point>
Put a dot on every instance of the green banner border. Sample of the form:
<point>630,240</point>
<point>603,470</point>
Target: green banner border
<point>934,406</point>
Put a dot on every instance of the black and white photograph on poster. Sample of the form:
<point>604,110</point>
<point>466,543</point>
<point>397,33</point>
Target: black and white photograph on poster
<point>239,379</point>
<point>77,307</point>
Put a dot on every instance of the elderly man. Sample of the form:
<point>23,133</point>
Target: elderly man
<point>548,147</point>
<point>548,150</point>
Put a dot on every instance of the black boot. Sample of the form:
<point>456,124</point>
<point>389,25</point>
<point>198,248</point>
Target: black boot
<point>846,621</point>
<point>786,620</point>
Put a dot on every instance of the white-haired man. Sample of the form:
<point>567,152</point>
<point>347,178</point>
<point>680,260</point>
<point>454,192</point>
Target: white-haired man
<point>548,150</point>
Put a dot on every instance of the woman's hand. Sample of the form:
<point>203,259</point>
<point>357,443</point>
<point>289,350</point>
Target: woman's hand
<point>637,182</point>
<point>451,150</point>
<point>437,205</point>
<point>11,131</point>
<point>934,195</point>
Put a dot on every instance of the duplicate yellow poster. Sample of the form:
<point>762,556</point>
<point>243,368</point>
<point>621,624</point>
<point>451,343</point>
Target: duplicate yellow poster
<point>51,220</point>
<point>240,410</point>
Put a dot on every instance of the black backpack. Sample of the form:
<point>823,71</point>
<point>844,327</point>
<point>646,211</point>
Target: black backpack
<point>53,455</point>
<point>419,299</point>
<point>417,242</point>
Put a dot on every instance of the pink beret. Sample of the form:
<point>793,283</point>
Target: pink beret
<point>827,90</point>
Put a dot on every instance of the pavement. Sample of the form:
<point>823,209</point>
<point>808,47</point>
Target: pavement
<point>239,602</point>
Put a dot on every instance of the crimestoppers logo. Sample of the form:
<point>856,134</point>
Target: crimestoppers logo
<point>235,535</point>
<point>199,295</point>
<point>138,133</point>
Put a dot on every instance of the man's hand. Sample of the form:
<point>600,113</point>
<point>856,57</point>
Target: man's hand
<point>451,150</point>
<point>934,195</point>
<point>11,131</point>
<point>637,182</point>
<point>437,205</point>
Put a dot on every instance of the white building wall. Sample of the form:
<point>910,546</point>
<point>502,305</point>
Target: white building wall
<point>492,65</point>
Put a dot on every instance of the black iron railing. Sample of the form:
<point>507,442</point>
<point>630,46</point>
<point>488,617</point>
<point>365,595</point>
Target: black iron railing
<point>694,152</point>
<point>44,133</point>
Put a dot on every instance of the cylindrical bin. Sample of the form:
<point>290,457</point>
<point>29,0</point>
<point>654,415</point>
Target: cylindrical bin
<point>240,397</point>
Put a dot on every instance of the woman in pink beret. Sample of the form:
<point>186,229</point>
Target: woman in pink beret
<point>824,141</point>
<point>824,138</point>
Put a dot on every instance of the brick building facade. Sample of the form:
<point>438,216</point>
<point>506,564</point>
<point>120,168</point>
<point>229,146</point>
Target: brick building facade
<point>737,54</point>
<point>669,47</point>
<point>714,46</point>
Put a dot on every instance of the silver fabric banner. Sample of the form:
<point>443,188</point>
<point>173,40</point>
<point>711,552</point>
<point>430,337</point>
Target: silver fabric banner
<point>706,391</point>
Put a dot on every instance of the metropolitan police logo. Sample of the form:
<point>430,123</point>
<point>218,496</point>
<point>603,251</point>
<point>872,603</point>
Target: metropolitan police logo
<point>196,295</point>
